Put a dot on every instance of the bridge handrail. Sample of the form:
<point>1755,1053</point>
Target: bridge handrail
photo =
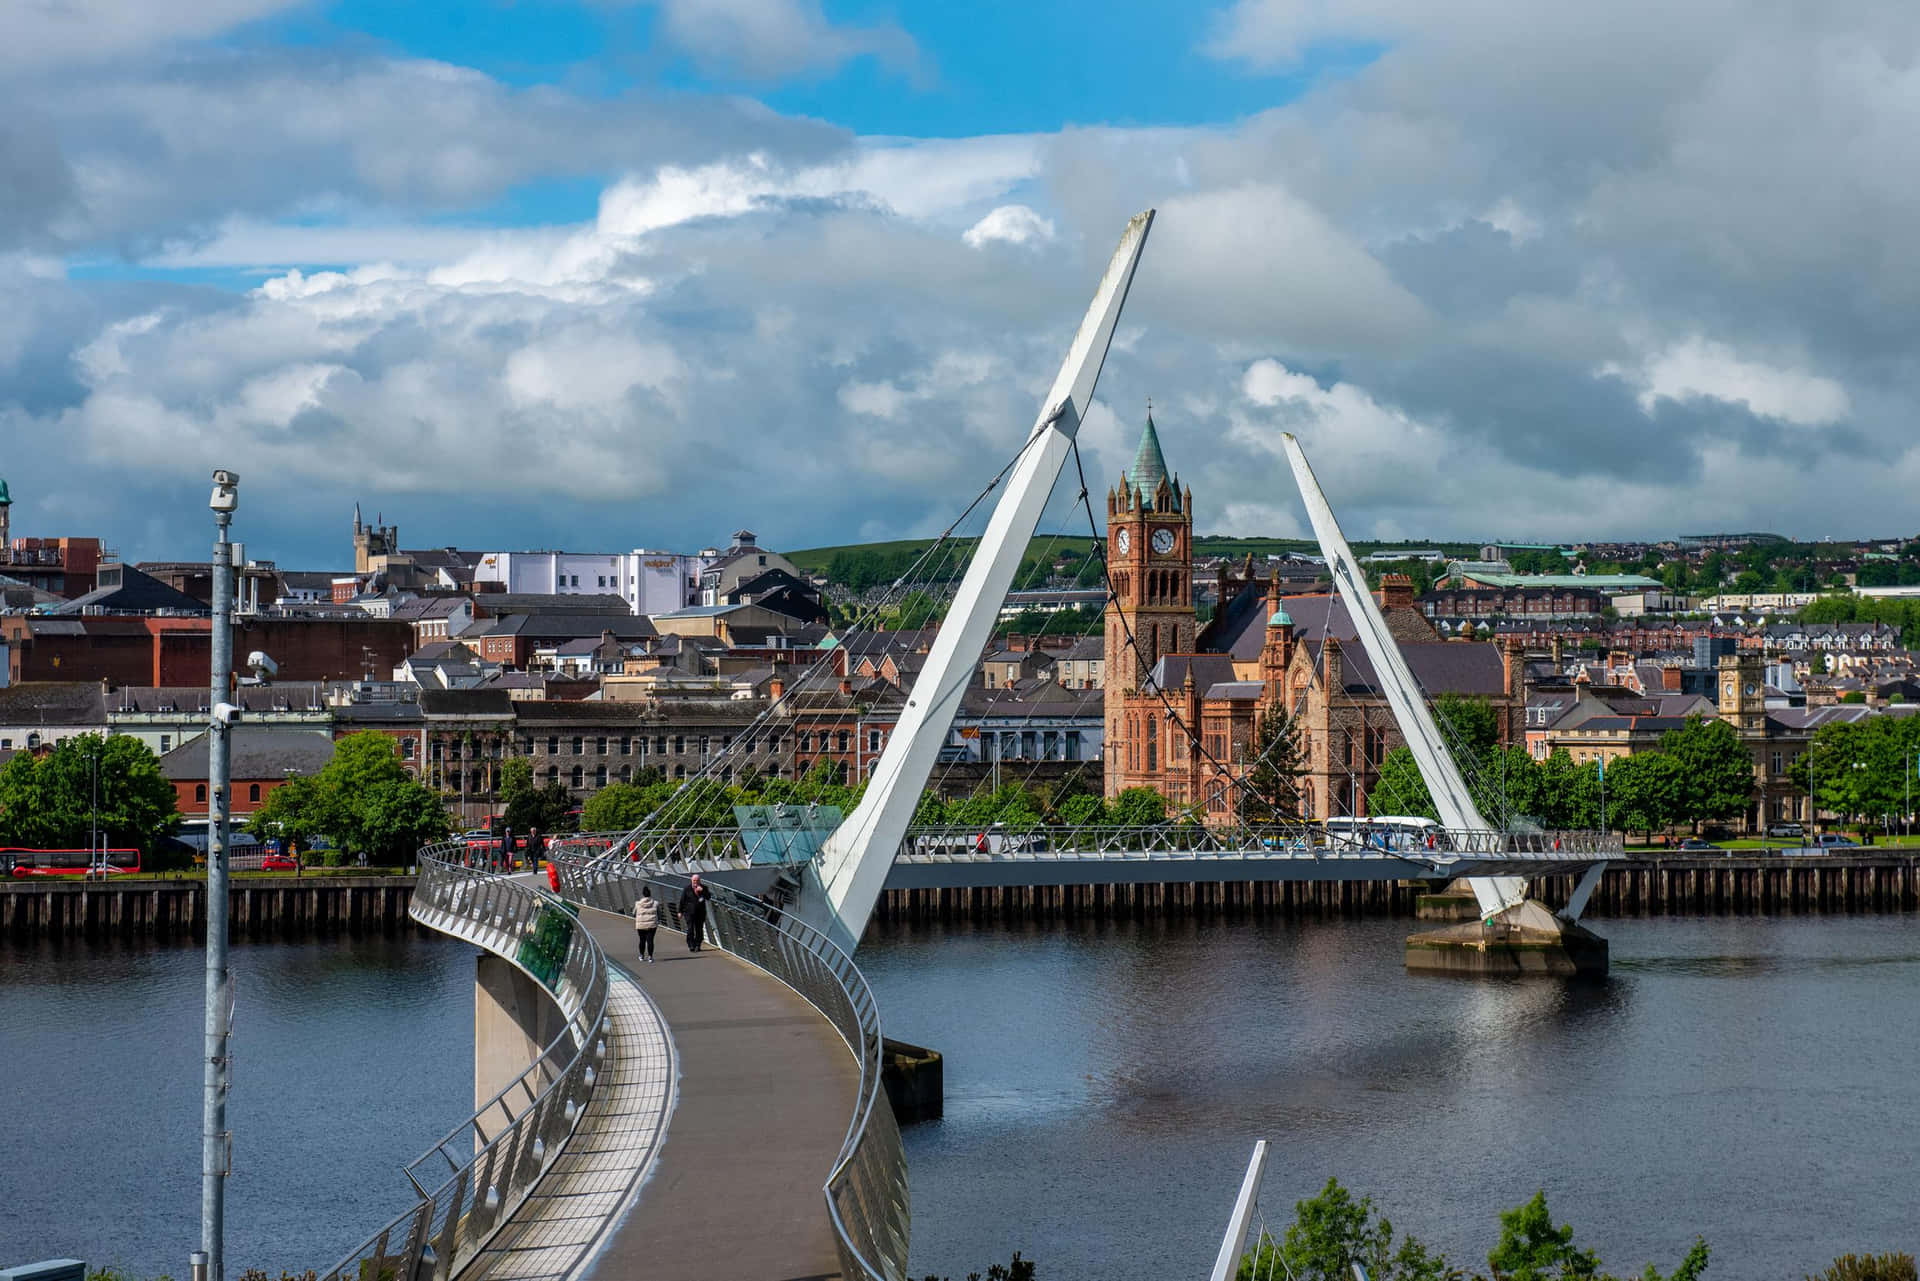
<point>720,844</point>
<point>506,1150</point>
<point>866,1190</point>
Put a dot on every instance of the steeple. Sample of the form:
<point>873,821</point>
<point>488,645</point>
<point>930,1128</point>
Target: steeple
<point>356,518</point>
<point>1150,467</point>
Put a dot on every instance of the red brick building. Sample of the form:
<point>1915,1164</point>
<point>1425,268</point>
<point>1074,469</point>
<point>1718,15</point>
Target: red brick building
<point>260,758</point>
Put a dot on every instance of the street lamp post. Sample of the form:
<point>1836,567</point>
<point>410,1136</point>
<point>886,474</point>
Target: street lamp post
<point>215,1140</point>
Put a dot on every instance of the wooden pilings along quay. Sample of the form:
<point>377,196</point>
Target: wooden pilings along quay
<point>164,909</point>
<point>1654,887</point>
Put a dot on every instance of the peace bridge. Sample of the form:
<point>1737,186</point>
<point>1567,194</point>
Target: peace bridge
<point>724,1115</point>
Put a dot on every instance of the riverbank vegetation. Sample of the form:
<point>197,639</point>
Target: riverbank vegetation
<point>89,785</point>
<point>1335,1230</point>
<point>362,802</point>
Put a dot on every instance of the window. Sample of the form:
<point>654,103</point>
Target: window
<point>600,746</point>
<point>806,741</point>
<point>626,773</point>
<point>600,777</point>
<point>553,745</point>
<point>844,739</point>
<point>773,742</point>
<point>706,745</point>
<point>679,745</point>
<point>579,776</point>
<point>679,771</point>
<point>660,745</point>
<point>576,581</point>
<point>408,749</point>
<point>603,580</point>
<point>626,745</point>
<point>1153,744</point>
<point>1073,744</point>
<point>579,745</point>
<point>1776,762</point>
<point>873,740</point>
<point>200,793</point>
<point>553,773</point>
<point>166,743</point>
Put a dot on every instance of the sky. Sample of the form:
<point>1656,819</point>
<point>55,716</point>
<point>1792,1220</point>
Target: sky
<point>604,275</point>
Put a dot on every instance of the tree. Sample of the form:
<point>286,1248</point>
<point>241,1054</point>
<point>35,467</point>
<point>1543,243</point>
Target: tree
<point>110,785</point>
<point>293,813</point>
<point>1400,789</point>
<point>1870,1267</point>
<point>1716,770</point>
<point>528,808</point>
<point>363,801</point>
<point>1643,792</point>
<point>1333,1231</point>
<point>621,807</point>
<point>1138,807</point>
<point>1271,794</point>
<point>1531,1248</point>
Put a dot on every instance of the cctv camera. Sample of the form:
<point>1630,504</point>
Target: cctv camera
<point>226,713</point>
<point>225,479</point>
<point>260,661</point>
<point>226,495</point>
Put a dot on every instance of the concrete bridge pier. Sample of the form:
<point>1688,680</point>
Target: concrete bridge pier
<point>1528,938</point>
<point>514,1020</point>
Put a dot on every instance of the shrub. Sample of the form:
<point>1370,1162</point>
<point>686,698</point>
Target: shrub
<point>1870,1267</point>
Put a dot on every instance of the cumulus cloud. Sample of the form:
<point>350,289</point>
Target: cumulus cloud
<point>1698,368</point>
<point>1604,272</point>
<point>1009,224</point>
<point>772,39</point>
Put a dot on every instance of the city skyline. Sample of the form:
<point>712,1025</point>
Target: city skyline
<point>498,272</point>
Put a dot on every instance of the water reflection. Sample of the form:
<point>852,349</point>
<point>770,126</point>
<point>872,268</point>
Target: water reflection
<point>350,1057</point>
<point>1105,1083</point>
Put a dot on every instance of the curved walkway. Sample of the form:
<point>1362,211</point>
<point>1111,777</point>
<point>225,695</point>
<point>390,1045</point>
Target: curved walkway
<point>571,1212</point>
<point>764,1091</point>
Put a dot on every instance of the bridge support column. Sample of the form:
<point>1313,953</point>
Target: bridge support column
<point>514,1019</point>
<point>1525,939</point>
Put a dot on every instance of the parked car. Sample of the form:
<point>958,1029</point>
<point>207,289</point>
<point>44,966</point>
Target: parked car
<point>1695,843</point>
<point>278,863</point>
<point>1785,829</point>
<point>1834,840</point>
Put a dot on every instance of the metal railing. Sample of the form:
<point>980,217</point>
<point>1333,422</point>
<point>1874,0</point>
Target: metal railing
<point>472,1181</point>
<point>730,844</point>
<point>866,1190</point>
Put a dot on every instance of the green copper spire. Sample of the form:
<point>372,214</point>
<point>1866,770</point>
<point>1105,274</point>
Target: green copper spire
<point>1149,465</point>
<point>6,499</point>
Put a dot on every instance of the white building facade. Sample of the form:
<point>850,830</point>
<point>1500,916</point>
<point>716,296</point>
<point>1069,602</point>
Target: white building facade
<point>651,582</point>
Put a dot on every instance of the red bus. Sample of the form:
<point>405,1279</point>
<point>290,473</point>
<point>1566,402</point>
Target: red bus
<point>87,863</point>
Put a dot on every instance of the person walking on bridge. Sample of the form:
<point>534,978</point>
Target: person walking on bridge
<point>646,919</point>
<point>693,911</point>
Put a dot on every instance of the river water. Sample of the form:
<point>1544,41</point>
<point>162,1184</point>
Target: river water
<point>1751,1081</point>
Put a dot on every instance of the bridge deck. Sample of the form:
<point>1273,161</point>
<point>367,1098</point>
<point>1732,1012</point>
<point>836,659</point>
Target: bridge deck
<point>766,1089</point>
<point>558,1228</point>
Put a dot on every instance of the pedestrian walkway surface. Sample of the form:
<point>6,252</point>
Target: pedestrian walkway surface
<point>596,1177</point>
<point>765,1091</point>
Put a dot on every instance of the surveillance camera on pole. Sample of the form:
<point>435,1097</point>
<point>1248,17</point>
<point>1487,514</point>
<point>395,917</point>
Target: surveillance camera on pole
<point>216,1141</point>
<point>226,492</point>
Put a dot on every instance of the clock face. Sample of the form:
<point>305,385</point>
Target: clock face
<point>1163,541</point>
<point>1752,690</point>
<point>1122,541</point>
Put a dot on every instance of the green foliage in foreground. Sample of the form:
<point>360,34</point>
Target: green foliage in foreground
<point>1019,1270</point>
<point>1870,1267</point>
<point>1333,1231</point>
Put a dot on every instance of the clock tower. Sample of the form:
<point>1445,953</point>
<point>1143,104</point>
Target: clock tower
<point>1743,692</point>
<point>1150,558</point>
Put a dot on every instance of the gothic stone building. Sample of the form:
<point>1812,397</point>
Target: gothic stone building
<point>1183,701</point>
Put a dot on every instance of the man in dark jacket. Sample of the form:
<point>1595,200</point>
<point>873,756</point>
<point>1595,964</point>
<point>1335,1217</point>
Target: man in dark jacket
<point>693,911</point>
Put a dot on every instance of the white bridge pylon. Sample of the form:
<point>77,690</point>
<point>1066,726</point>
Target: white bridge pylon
<point>845,882</point>
<point>1495,894</point>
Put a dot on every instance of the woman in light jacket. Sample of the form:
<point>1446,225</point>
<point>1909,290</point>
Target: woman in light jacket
<point>646,919</point>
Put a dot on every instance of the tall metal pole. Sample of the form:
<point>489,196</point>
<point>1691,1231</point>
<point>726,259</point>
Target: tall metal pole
<point>215,1142</point>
